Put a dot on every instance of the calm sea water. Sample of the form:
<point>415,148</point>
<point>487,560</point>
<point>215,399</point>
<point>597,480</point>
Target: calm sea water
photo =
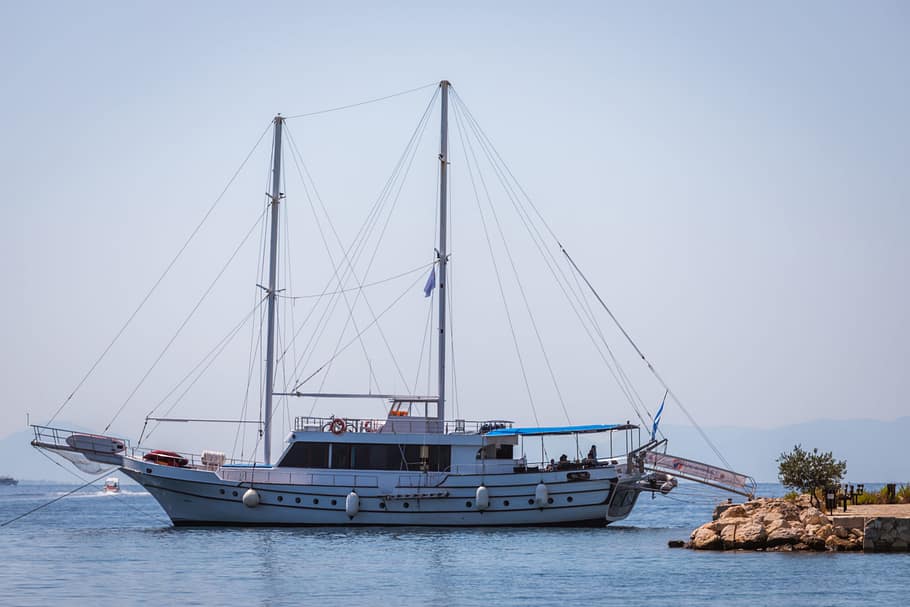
<point>120,549</point>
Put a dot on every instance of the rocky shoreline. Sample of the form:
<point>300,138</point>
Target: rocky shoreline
<point>774,525</point>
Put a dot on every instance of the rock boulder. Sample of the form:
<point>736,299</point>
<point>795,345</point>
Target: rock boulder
<point>775,525</point>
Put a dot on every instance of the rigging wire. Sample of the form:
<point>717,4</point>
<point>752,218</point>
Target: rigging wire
<point>56,499</point>
<point>185,321</point>
<point>603,304</point>
<point>553,265</point>
<point>339,351</point>
<point>160,278</point>
<point>74,474</point>
<point>388,193</point>
<point>648,363</point>
<point>450,288</point>
<point>382,232</point>
<point>626,387</point>
<point>358,104</point>
<point>518,281</point>
<point>497,273</point>
<point>451,318</point>
<point>335,267</point>
<point>429,321</point>
<point>255,336</point>
<point>423,344</point>
<point>290,307</point>
<point>358,242</point>
<point>365,285</point>
<point>352,270</point>
<point>206,360</point>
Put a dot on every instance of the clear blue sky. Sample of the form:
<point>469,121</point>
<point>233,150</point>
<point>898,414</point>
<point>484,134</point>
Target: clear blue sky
<point>733,177</point>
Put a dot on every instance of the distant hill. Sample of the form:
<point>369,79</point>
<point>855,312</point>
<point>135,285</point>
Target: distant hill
<point>873,449</point>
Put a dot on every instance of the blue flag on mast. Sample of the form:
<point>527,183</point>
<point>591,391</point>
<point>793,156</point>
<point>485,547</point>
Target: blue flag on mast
<point>657,416</point>
<point>431,283</point>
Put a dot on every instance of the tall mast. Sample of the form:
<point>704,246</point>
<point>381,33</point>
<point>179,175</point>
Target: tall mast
<point>443,255</point>
<point>272,293</point>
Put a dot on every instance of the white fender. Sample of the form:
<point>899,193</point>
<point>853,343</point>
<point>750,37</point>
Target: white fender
<point>482,498</point>
<point>352,504</point>
<point>541,495</point>
<point>251,498</point>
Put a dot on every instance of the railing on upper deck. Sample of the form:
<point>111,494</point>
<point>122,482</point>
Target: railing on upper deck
<point>401,424</point>
<point>84,442</point>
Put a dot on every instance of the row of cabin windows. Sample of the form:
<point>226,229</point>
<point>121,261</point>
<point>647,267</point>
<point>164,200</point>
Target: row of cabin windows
<point>366,457</point>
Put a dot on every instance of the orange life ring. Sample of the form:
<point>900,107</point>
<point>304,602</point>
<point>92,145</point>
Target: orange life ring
<point>338,426</point>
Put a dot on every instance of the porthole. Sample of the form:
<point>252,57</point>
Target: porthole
<point>234,493</point>
<point>334,502</point>
<point>382,505</point>
<point>506,503</point>
<point>550,500</point>
<point>297,500</point>
<point>530,502</point>
<point>221,491</point>
<point>467,504</point>
<point>569,499</point>
<point>406,505</point>
<point>280,498</point>
<point>148,470</point>
<point>315,500</point>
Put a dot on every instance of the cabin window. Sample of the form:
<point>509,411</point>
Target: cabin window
<point>346,456</point>
<point>306,455</point>
<point>495,451</point>
<point>341,456</point>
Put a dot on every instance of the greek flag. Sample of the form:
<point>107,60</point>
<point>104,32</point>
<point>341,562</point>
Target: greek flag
<point>660,410</point>
<point>431,283</point>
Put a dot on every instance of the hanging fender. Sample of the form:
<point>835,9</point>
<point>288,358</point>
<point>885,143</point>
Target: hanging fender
<point>352,504</point>
<point>482,498</point>
<point>541,495</point>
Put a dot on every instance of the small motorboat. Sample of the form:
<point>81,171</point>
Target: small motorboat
<point>112,485</point>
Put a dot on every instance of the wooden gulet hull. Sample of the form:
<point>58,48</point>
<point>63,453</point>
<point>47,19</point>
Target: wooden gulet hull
<point>202,497</point>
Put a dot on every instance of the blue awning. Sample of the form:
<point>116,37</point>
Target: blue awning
<point>560,430</point>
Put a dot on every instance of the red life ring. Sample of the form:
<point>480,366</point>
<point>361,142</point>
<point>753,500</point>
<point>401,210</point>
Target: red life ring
<point>338,426</point>
<point>368,426</point>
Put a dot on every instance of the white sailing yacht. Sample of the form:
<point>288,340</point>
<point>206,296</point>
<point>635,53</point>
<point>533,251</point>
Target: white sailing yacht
<point>415,466</point>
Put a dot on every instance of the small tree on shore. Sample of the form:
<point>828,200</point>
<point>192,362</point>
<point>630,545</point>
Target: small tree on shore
<point>809,472</point>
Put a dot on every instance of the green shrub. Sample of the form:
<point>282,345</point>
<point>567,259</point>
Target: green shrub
<point>868,498</point>
<point>881,496</point>
<point>903,494</point>
<point>791,496</point>
<point>810,471</point>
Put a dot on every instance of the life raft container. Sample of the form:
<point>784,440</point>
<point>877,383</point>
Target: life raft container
<point>96,443</point>
<point>166,458</point>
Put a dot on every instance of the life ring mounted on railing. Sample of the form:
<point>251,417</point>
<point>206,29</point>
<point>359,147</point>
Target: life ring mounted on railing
<point>338,426</point>
<point>368,426</point>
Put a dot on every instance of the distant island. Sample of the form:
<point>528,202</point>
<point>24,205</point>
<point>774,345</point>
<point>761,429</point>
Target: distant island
<point>8,480</point>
